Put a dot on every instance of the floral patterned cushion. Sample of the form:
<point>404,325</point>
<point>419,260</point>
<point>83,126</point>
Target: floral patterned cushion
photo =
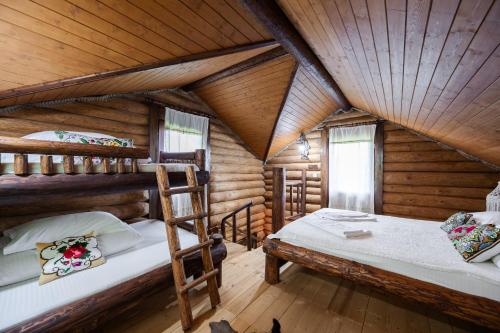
<point>455,234</point>
<point>68,255</point>
<point>481,244</point>
<point>456,220</point>
<point>85,139</point>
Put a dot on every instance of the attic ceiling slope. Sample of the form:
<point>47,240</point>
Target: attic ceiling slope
<point>431,66</point>
<point>44,41</point>
<point>306,106</point>
<point>249,102</point>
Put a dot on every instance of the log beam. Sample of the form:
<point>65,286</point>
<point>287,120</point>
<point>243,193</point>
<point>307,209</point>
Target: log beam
<point>276,22</point>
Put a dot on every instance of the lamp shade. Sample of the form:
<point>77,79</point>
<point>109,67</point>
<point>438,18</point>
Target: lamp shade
<point>493,200</point>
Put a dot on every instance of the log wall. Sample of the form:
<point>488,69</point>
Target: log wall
<point>424,180</point>
<point>290,159</point>
<point>117,117</point>
<point>236,178</point>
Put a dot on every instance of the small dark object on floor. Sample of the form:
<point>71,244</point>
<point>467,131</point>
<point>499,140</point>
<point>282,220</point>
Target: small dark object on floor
<point>221,327</point>
<point>276,326</point>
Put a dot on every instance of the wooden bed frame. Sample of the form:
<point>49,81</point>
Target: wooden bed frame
<point>479,310</point>
<point>92,312</point>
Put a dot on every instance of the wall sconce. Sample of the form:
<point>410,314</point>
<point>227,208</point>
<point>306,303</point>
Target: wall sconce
<point>303,147</point>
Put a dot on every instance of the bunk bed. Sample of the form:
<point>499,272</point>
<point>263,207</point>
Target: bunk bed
<point>70,169</point>
<point>468,293</point>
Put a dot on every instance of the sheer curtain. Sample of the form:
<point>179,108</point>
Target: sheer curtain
<point>351,168</point>
<point>184,132</point>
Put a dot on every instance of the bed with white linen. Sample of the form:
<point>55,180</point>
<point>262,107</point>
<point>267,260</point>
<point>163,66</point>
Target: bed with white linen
<point>410,258</point>
<point>25,301</point>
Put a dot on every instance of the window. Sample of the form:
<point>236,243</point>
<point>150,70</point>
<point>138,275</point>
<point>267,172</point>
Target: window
<point>184,132</point>
<point>351,169</point>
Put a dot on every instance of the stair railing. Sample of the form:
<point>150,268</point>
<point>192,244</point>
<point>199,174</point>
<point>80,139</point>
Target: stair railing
<point>249,238</point>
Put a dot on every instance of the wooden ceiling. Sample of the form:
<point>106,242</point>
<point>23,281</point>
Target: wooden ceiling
<point>50,40</point>
<point>432,66</point>
<point>307,104</point>
<point>250,101</point>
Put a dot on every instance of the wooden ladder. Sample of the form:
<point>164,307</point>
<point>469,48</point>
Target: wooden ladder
<point>176,253</point>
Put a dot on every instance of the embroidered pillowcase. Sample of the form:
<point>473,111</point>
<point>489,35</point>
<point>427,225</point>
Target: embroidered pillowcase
<point>455,234</point>
<point>68,255</point>
<point>456,220</point>
<point>480,244</point>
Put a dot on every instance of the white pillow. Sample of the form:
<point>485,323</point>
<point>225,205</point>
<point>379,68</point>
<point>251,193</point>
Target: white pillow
<point>487,217</point>
<point>21,266</point>
<point>45,230</point>
<point>496,260</point>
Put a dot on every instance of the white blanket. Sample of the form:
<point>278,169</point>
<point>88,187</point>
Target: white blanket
<point>415,248</point>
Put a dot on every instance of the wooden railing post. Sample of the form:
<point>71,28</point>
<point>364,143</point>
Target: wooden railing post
<point>279,198</point>
<point>249,230</point>
<point>234,228</point>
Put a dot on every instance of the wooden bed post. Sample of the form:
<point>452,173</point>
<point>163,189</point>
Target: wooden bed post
<point>324,168</point>
<point>156,142</point>
<point>272,274</point>
<point>378,169</point>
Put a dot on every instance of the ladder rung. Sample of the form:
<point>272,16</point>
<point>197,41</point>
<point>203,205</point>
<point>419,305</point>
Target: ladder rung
<point>199,280</point>
<point>191,249</point>
<point>182,189</point>
<point>177,220</point>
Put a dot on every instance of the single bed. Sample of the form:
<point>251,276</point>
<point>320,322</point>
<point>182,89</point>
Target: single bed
<point>410,258</point>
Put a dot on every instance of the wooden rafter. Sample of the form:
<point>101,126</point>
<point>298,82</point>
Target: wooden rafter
<point>283,102</point>
<point>276,22</point>
<point>99,76</point>
<point>272,54</point>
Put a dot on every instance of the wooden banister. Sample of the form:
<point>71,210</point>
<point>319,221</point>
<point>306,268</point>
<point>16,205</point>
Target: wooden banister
<point>42,147</point>
<point>234,225</point>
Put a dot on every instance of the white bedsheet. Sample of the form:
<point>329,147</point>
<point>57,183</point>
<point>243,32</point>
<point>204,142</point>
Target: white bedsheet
<point>414,248</point>
<point>23,301</point>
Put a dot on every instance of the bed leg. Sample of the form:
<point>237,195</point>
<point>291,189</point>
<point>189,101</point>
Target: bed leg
<point>272,269</point>
<point>218,277</point>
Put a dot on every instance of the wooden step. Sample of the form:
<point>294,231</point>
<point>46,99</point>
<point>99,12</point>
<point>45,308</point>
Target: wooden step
<point>199,280</point>
<point>177,220</point>
<point>181,253</point>
<point>182,189</point>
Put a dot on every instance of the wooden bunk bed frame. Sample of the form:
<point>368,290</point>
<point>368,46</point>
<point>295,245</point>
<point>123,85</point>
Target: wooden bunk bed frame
<point>89,313</point>
<point>478,310</point>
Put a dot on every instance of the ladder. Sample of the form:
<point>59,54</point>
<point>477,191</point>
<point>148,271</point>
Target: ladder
<point>182,287</point>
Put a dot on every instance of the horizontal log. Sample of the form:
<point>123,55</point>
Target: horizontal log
<point>125,105</point>
<point>310,198</point>
<point>241,223</point>
<point>438,167</point>
<point>223,137</point>
<point>350,121</point>
<point>420,200</point>
<point>235,185</point>
<point>255,212</point>
<point>309,190</point>
<point>234,195</point>
<point>402,136</point>
<point>36,188</point>
<point>296,152</point>
<point>123,212</point>
<point>294,159</point>
<point>391,127</point>
<point>310,208</point>
<point>235,160</point>
<point>424,156</point>
<point>229,206</point>
<point>226,177</point>
<point>432,213</point>
<point>225,148</point>
<point>311,182</point>
<point>27,146</point>
<point>101,112</point>
<point>412,146</point>
<point>295,174</point>
<point>233,168</point>
<point>456,179</point>
<point>294,166</point>
<point>70,203</point>
<point>464,192</point>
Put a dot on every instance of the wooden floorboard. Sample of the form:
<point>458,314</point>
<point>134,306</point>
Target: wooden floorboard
<point>305,301</point>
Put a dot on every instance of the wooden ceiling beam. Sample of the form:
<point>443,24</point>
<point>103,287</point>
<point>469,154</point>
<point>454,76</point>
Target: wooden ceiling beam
<point>276,22</point>
<point>104,75</point>
<point>259,59</point>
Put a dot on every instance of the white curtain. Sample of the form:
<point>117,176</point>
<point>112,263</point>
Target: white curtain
<point>351,168</point>
<point>184,132</point>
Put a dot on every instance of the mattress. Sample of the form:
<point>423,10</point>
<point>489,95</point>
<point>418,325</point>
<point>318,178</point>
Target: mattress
<point>34,168</point>
<point>26,300</point>
<point>415,248</point>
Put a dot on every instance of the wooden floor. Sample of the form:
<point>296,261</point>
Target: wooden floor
<point>305,301</point>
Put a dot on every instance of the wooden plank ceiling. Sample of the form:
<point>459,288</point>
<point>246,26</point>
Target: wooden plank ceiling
<point>307,104</point>
<point>158,78</point>
<point>250,101</point>
<point>49,40</point>
<point>432,66</point>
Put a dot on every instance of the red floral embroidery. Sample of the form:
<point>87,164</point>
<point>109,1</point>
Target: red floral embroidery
<point>75,251</point>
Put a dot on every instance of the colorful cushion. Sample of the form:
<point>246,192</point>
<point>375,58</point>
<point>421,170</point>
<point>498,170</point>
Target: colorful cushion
<point>460,231</point>
<point>480,244</point>
<point>93,140</point>
<point>456,220</point>
<point>68,255</point>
